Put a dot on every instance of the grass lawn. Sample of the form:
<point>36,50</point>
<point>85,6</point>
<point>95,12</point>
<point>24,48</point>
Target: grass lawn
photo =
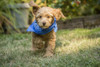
<point>74,48</point>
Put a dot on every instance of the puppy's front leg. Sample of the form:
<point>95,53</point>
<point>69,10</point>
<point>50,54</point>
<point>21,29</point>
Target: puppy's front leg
<point>37,43</point>
<point>50,47</point>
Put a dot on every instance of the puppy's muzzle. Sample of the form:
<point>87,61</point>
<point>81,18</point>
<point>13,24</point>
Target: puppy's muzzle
<point>44,23</point>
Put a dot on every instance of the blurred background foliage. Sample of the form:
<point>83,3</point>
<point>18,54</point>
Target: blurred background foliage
<point>74,8</point>
<point>70,8</point>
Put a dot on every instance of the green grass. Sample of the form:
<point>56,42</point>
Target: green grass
<point>74,48</point>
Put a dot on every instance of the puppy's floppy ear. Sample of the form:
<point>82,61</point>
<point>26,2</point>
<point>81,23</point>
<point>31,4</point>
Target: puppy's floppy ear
<point>58,14</point>
<point>34,6</point>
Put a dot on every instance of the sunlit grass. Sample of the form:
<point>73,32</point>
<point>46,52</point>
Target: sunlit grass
<point>74,48</point>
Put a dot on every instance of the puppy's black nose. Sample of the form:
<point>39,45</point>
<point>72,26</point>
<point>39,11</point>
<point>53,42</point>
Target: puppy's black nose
<point>44,23</point>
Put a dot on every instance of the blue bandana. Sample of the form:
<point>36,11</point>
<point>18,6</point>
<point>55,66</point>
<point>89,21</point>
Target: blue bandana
<point>34,27</point>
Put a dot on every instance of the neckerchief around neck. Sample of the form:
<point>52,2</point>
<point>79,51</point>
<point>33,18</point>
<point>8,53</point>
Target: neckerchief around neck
<point>34,27</point>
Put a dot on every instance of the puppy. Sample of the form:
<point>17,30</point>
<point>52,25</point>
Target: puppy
<point>44,28</point>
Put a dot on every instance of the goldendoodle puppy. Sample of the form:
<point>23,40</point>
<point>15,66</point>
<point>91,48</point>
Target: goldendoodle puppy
<point>44,27</point>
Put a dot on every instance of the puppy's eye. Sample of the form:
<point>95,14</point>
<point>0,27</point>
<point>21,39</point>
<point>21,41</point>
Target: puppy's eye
<point>48,16</point>
<point>40,16</point>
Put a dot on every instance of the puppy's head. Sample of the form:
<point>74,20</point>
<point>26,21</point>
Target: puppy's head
<point>45,15</point>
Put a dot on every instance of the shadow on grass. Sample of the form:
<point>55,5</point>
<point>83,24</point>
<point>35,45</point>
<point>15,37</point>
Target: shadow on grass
<point>94,35</point>
<point>82,58</point>
<point>6,59</point>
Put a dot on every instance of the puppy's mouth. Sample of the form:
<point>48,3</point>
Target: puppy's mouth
<point>44,27</point>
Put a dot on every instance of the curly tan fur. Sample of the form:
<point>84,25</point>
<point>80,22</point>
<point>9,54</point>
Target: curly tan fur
<point>45,15</point>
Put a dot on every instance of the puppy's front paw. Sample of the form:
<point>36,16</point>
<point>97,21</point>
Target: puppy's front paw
<point>48,54</point>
